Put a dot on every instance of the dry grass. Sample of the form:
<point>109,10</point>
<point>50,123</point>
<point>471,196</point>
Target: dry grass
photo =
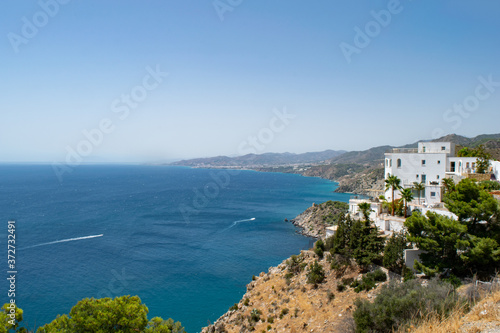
<point>484,315</point>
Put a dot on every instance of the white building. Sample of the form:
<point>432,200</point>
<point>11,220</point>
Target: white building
<point>429,164</point>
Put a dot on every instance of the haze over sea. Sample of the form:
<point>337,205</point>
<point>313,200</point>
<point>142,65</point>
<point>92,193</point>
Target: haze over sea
<point>192,271</point>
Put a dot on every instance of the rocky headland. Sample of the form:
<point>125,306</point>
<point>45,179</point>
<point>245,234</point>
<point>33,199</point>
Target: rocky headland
<point>314,220</point>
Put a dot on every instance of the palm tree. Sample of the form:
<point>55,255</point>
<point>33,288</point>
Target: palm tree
<point>394,183</point>
<point>407,196</point>
<point>365,208</point>
<point>419,187</point>
<point>448,184</point>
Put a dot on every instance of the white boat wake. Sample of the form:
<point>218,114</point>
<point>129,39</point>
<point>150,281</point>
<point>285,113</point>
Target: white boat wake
<point>236,222</point>
<point>63,240</point>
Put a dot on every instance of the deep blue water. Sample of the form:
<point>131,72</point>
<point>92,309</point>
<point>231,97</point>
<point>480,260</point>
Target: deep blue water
<point>190,267</point>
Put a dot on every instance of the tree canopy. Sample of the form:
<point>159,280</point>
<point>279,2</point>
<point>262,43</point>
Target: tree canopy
<point>122,314</point>
<point>468,245</point>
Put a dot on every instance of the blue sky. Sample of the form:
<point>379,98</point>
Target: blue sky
<point>228,78</point>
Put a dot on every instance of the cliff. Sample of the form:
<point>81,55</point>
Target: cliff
<point>278,301</point>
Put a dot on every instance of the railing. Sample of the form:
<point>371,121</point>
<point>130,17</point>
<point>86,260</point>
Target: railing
<point>403,151</point>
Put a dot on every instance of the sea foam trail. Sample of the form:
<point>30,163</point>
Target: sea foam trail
<point>63,240</point>
<point>236,222</point>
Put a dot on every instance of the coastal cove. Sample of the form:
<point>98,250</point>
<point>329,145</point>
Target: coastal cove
<point>191,269</point>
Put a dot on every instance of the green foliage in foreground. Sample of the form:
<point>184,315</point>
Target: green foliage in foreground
<point>10,317</point>
<point>123,314</point>
<point>399,303</point>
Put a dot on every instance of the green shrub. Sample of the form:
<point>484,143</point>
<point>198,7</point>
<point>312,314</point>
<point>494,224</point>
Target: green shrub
<point>330,296</point>
<point>234,307</point>
<point>319,248</point>
<point>378,275</point>
<point>341,287</point>
<point>270,319</point>
<point>398,303</point>
<point>295,264</point>
<point>255,315</point>
<point>316,274</point>
<point>453,280</point>
<point>284,312</point>
<point>246,302</point>
<point>368,281</point>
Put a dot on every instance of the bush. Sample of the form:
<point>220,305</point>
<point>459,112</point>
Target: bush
<point>246,302</point>
<point>295,264</point>
<point>378,275</point>
<point>368,281</point>
<point>330,296</point>
<point>234,307</point>
<point>270,319</point>
<point>316,274</point>
<point>453,280</point>
<point>341,287</point>
<point>284,312</point>
<point>319,248</point>
<point>255,315</point>
<point>398,303</point>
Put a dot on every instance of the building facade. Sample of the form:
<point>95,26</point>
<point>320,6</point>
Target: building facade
<point>428,164</point>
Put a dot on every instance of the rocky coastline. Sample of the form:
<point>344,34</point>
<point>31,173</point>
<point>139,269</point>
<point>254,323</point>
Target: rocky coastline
<point>315,219</point>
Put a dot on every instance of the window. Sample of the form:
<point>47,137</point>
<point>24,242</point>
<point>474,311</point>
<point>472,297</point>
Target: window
<point>443,148</point>
<point>423,162</point>
<point>399,163</point>
<point>452,166</point>
<point>386,162</point>
<point>473,165</point>
<point>390,163</point>
<point>424,149</point>
<point>467,165</point>
<point>417,177</point>
<point>424,178</point>
<point>439,162</point>
<point>437,177</point>
<point>433,194</point>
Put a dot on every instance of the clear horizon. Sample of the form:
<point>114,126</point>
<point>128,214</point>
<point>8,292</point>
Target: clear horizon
<point>92,82</point>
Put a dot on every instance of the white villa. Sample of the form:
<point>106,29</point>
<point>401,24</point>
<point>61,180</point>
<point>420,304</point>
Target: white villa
<point>428,164</point>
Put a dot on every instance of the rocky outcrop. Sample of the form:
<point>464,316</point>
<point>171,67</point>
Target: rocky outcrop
<point>314,220</point>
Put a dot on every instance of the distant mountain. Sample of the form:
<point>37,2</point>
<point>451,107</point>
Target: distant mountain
<point>374,156</point>
<point>267,159</point>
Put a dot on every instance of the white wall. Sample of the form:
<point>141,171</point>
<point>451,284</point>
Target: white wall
<point>495,165</point>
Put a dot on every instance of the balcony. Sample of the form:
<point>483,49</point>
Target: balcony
<point>402,151</point>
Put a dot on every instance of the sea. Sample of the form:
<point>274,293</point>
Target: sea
<point>186,241</point>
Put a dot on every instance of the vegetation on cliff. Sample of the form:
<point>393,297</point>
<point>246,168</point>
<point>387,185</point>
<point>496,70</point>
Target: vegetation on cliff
<point>316,218</point>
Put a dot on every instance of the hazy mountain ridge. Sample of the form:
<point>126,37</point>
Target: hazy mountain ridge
<point>267,159</point>
<point>356,171</point>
